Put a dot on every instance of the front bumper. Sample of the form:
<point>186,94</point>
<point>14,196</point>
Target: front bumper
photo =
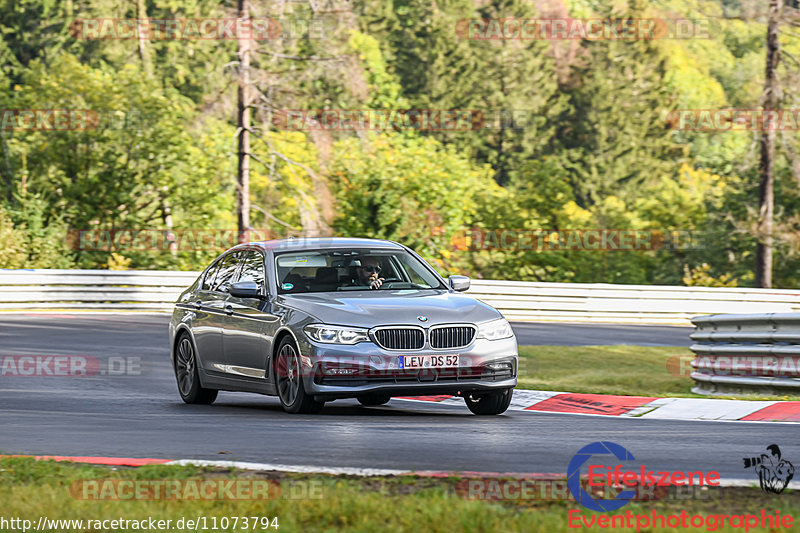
<point>483,366</point>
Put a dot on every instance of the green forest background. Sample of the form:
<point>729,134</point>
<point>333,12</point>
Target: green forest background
<point>596,152</point>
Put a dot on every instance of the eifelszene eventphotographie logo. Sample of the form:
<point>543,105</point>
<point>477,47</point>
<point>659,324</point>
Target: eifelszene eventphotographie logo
<point>774,472</point>
<point>603,471</point>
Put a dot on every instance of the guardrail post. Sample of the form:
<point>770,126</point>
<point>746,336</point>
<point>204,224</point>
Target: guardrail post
<point>746,354</point>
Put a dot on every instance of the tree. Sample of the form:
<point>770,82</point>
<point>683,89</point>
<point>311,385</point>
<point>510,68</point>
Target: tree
<point>766,166</point>
<point>614,132</point>
<point>408,188</point>
<point>511,81</point>
<point>243,130</point>
<point>137,153</point>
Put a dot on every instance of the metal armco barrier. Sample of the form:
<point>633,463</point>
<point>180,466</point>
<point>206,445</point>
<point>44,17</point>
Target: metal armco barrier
<point>626,304</point>
<point>517,300</point>
<point>154,290</point>
<point>746,354</point>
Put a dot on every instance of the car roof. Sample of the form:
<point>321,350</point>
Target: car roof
<point>323,243</point>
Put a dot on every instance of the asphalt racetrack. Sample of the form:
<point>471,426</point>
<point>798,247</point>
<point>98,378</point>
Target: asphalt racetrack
<point>141,415</point>
<point>560,334</point>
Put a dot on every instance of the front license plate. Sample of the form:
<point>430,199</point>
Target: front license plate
<point>427,361</point>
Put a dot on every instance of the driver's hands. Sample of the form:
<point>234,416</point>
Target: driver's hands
<point>375,282</point>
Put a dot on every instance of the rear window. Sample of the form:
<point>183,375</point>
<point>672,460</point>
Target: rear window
<point>224,274</point>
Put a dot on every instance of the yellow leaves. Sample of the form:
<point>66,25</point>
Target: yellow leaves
<point>118,262</point>
<point>697,88</point>
<point>613,203</point>
<point>700,276</point>
<point>17,88</point>
<point>576,214</point>
<point>700,184</point>
<point>699,175</point>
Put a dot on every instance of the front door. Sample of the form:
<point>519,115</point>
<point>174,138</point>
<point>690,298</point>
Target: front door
<point>249,325</point>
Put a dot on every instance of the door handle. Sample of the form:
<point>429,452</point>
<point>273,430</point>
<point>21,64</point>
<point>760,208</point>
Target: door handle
<point>229,309</point>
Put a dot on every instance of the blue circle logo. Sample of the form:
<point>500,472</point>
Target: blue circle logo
<point>574,476</point>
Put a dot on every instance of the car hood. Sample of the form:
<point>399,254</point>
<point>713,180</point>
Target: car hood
<point>391,307</point>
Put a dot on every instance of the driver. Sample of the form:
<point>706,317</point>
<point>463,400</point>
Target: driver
<point>368,272</point>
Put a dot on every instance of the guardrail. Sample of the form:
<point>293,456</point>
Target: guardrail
<point>628,304</point>
<point>750,353</point>
<point>517,300</point>
<point>154,290</point>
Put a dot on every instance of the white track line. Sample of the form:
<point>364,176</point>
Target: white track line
<point>302,469</point>
<point>367,472</point>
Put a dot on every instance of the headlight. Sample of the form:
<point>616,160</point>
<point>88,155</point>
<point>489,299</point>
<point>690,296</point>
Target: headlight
<point>494,330</point>
<point>335,334</point>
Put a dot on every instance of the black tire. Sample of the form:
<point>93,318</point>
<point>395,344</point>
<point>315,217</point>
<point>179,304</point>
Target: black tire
<point>489,403</point>
<point>187,374</point>
<point>289,381</point>
<point>371,400</point>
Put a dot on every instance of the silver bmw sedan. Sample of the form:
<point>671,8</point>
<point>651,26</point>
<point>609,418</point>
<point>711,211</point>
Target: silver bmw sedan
<point>314,320</point>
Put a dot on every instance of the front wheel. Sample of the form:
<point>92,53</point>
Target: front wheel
<point>489,403</point>
<point>289,378</point>
<point>187,374</point>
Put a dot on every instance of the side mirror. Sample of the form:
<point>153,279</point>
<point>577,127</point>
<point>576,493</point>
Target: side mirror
<point>245,289</point>
<point>459,283</point>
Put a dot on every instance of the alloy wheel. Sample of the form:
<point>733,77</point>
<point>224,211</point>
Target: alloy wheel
<point>288,374</point>
<point>184,366</point>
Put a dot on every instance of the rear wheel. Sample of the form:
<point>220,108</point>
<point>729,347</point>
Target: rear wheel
<point>489,403</point>
<point>373,399</point>
<point>187,374</point>
<point>289,378</point>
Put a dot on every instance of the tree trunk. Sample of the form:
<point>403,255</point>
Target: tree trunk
<point>144,52</point>
<point>8,174</point>
<point>766,164</point>
<point>243,170</point>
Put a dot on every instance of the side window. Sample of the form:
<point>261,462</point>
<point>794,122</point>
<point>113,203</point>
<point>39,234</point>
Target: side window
<point>226,272</point>
<point>208,280</point>
<point>253,268</point>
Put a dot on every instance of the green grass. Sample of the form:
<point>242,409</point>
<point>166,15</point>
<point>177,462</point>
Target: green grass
<point>30,489</point>
<point>624,370</point>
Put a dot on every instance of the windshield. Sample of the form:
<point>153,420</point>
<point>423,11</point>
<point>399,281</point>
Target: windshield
<point>351,270</point>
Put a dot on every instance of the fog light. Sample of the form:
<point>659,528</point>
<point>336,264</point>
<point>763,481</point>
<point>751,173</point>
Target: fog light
<point>498,366</point>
